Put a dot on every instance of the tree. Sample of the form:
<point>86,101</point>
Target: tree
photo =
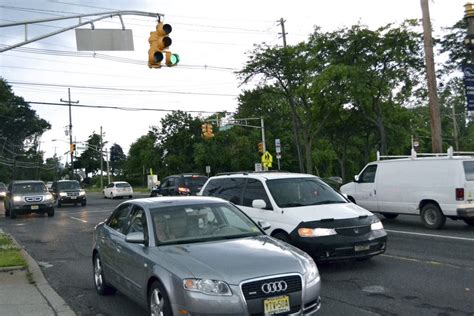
<point>90,158</point>
<point>143,154</point>
<point>117,159</point>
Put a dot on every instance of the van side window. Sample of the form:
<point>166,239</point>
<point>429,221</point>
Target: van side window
<point>368,176</point>
<point>229,189</point>
<point>468,170</point>
<point>255,191</point>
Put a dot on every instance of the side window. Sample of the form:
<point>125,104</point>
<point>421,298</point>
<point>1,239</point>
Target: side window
<point>231,190</point>
<point>368,175</point>
<point>138,222</point>
<point>110,185</point>
<point>118,220</point>
<point>255,191</point>
<point>171,182</point>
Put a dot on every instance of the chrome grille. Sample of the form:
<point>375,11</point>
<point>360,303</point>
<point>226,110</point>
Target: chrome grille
<point>33,199</point>
<point>353,231</point>
<point>253,290</point>
<point>73,194</point>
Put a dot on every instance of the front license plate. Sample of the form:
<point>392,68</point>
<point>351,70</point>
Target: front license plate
<point>34,207</point>
<point>361,247</point>
<point>276,305</point>
<point>73,197</point>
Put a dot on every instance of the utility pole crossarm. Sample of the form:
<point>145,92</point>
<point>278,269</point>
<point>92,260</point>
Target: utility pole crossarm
<point>103,15</point>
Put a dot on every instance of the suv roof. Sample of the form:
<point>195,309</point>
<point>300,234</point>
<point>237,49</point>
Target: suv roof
<point>26,181</point>
<point>266,175</point>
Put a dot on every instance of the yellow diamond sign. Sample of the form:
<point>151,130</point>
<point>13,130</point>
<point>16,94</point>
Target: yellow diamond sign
<point>267,159</point>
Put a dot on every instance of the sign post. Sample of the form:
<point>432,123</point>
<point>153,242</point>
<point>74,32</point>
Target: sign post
<point>278,151</point>
<point>468,71</point>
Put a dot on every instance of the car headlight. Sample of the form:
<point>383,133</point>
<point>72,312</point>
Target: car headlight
<point>312,272</point>
<point>316,232</point>
<point>48,197</point>
<point>17,198</point>
<point>376,225</point>
<point>210,287</point>
<point>62,194</point>
<point>82,192</point>
<point>3,193</point>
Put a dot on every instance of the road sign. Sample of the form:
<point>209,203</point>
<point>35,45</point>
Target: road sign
<point>267,159</point>
<point>469,85</point>
<point>277,146</point>
<point>104,40</point>
<point>258,167</point>
<point>208,169</point>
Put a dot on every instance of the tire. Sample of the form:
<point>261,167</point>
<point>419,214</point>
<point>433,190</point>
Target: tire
<point>83,203</point>
<point>432,217</point>
<point>158,301</point>
<point>59,203</point>
<point>51,212</point>
<point>12,214</point>
<point>100,284</point>
<point>282,236</point>
<point>111,196</point>
<point>389,215</point>
<point>469,221</point>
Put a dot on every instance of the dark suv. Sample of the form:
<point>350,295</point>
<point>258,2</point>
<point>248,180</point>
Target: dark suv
<point>181,184</point>
<point>68,191</point>
<point>28,196</point>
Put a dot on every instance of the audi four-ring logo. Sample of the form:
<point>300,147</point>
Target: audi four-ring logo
<point>274,287</point>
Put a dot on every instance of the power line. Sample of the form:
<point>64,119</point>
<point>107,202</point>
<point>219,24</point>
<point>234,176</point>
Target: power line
<point>121,89</point>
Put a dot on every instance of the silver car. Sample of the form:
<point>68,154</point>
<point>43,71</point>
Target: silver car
<point>200,256</point>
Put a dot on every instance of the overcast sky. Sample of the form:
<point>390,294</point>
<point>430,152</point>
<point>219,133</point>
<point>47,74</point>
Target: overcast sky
<point>211,38</point>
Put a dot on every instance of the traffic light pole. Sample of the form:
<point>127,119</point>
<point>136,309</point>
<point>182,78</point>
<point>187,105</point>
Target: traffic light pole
<point>70,131</point>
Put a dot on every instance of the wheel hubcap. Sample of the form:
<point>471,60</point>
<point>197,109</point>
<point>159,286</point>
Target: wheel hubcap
<point>98,273</point>
<point>156,303</point>
<point>430,216</point>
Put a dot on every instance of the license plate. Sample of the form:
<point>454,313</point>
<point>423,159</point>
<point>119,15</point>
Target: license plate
<point>361,247</point>
<point>73,197</point>
<point>276,305</point>
<point>34,207</point>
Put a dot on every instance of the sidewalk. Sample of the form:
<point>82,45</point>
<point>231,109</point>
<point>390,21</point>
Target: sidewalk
<point>20,297</point>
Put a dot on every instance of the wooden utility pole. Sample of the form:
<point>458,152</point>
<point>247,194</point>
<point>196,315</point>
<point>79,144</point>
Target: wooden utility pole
<point>436,139</point>
<point>71,148</point>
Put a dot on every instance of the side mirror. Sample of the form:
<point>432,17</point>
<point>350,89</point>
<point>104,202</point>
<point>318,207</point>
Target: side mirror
<point>259,204</point>
<point>135,238</point>
<point>356,178</point>
<point>264,225</point>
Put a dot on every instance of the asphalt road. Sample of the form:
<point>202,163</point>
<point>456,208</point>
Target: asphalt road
<point>423,272</point>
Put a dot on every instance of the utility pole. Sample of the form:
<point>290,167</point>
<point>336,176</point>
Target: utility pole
<point>101,160</point>
<point>455,128</point>
<point>70,130</point>
<point>283,33</point>
<point>436,139</point>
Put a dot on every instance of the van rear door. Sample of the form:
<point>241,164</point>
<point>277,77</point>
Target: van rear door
<point>468,193</point>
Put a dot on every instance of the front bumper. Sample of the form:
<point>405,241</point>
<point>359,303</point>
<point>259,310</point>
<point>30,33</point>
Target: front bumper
<point>32,208</point>
<point>72,199</point>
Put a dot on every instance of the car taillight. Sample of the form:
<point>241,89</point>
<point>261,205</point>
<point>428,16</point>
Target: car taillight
<point>184,190</point>
<point>459,194</point>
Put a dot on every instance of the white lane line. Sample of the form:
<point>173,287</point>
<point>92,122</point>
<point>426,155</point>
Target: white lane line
<point>429,235</point>
<point>88,212</point>
<point>78,219</point>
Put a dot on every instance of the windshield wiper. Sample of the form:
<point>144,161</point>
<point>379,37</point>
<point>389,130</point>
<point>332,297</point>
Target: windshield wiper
<point>327,202</point>
<point>293,205</point>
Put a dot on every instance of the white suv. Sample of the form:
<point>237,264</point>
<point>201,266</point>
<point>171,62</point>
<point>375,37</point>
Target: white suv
<point>303,211</point>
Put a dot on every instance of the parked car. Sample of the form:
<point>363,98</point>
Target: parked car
<point>28,196</point>
<point>3,190</point>
<point>200,256</point>
<point>181,184</point>
<point>118,189</point>
<point>303,211</point>
<point>68,191</point>
<point>432,187</point>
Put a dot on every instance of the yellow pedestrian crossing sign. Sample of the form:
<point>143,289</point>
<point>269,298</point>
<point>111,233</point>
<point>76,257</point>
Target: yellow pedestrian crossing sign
<point>267,159</point>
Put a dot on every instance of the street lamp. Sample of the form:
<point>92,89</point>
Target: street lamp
<point>469,17</point>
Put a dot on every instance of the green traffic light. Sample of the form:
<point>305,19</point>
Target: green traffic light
<point>172,59</point>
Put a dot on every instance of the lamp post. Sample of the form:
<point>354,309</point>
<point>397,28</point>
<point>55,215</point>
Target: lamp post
<point>469,39</point>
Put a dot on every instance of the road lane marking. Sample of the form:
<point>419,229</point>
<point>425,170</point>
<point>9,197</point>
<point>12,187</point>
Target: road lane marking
<point>431,262</point>
<point>429,235</point>
<point>89,212</point>
<point>78,219</point>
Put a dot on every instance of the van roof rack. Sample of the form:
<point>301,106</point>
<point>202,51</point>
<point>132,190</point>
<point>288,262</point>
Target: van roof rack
<point>450,154</point>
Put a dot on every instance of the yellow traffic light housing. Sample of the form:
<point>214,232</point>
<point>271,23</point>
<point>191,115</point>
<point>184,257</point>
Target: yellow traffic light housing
<point>72,147</point>
<point>159,43</point>
<point>260,148</point>
<point>207,130</point>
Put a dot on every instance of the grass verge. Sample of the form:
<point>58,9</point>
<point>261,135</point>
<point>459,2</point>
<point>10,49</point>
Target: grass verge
<point>10,255</point>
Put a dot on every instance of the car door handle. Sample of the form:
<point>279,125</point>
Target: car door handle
<point>375,192</point>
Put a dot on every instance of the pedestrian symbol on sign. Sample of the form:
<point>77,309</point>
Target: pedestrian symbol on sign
<point>267,159</point>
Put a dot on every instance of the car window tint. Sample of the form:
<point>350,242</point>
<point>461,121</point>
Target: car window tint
<point>118,220</point>
<point>230,189</point>
<point>194,181</point>
<point>255,191</point>
<point>469,170</point>
<point>122,185</point>
<point>368,175</point>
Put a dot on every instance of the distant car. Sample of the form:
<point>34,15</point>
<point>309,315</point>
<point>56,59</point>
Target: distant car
<point>68,191</point>
<point>3,190</point>
<point>200,256</point>
<point>49,185</point>
<point>181,184</point>
<point>28,196</point>
<point>118,189</point>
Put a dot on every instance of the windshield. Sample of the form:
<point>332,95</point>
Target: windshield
<point>36,187</point>
<point>195,181</point>
<point>68,185</point>
<point>294,192</point>
<point>196,223</point>
<point>122,185</point>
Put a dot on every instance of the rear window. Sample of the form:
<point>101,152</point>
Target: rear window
<point>122,185</point>
<point>194,182</point>
<point>469,170</point>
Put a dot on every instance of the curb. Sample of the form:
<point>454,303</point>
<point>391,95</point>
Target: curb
<point>60,307</point>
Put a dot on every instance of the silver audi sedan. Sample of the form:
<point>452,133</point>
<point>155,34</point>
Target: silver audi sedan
<point>200,256</point>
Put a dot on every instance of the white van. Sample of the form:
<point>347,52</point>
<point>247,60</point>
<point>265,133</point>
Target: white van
<point>434,187</point>
<point>303,211</point>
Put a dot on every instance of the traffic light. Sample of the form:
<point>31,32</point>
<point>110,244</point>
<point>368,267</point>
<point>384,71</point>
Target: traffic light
<point>207,130</point>
<point>159,41</point>
<point>171,59</point>
<point>72,148</point>
<point>204,130</point>
<point>260,148</point>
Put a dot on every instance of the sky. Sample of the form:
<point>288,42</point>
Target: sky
<point>212,39</point>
